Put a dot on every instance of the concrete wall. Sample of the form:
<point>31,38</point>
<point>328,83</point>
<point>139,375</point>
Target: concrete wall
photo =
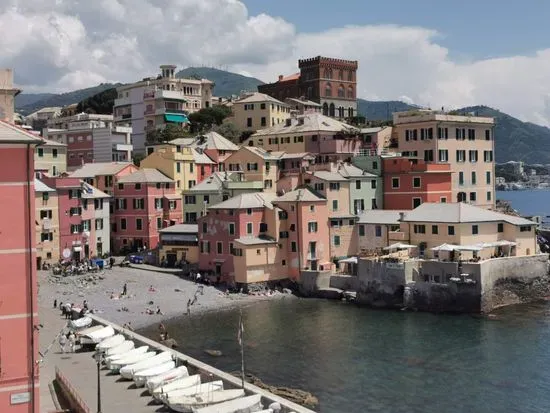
<point>313,281</point>
<point>208,371</point>
<point>344,282</point>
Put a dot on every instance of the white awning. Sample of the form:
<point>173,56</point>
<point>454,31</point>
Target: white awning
<point>399,246</point>
<point>350,260</point>
<point>444,247</point>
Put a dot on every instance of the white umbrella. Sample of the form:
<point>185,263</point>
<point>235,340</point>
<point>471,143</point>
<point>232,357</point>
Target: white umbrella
<point>399,246</point>
<point>444,247</point>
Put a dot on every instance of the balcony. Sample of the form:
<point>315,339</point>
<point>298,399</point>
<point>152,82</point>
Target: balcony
<point>164,94</point>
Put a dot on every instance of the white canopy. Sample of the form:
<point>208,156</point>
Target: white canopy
<point>399,246</point>
<point>450,247</point>
<point>349,260</point>
<point>502,243</point>
<point>444,247</point>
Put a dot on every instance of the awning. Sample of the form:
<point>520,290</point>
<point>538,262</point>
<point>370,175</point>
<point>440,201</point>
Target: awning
<point>399,246</point>
<point>175,118</point>
<point>350,260</point>
<point>172,196</point>
<point>444,247</point>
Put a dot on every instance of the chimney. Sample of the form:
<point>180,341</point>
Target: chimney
<point>280,78</point>
<point>401,216</point>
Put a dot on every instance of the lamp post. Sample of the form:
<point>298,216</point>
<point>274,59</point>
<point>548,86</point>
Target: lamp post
<point>98,357</point>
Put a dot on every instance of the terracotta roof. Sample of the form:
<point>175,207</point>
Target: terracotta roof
<point>380,216</point>
<point>90,170</point>
<point>294,76</point>
<point>308,122</point>
<point>145,175</point>
<point>202,158</point>
<point>246,201</point>
<point>258,98</point>
<point>13,134</point>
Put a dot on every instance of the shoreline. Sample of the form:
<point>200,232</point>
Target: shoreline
<point>171,294</point>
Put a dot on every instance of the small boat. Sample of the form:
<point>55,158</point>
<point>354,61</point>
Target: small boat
<point>110,342</point>
<point>130,353</point>
<point>165,378</point>
<point>141,378</point>
<point>178,384</point>
<point>80,323</point>
<point>123,347</point>
<point>129,370</point>
<point>186,404</point>
<point>97,336</point>
<point>116,365</point>
<point>247,404</point>
<point>89,330</point>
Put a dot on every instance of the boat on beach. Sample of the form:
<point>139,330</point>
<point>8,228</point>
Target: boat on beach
<point>117,365</point>
<point>130,353</point>
<point>161,379</point>
<point>80,323</point>
<point>110,342</point>
<point>186,404</point>
<point>193,390</point>
<point>89,330</point>
<point>141,377</point>
<point>248,404</point>
<point>129,370</point>
<point>97,336</point>
<point>178,384</point>
<point>123,347</point>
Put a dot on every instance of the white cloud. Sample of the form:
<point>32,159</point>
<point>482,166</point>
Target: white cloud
<point>58,45</point>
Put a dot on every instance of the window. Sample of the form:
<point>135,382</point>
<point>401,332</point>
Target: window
<point>54,153</point>
<point>500,227</point>
<point>319,187</point>
<point>416,202</point>
<point>488,156</point>
<point>420,229</point>
<point>378,231</point>
<point>121,186</point>
<point>361,230</point>
<point>460,134</point>
<point>178,167</point>
<point>231,228</point>
<point>172,205</point>
<point>293,227</point>
<point>139,224</point>
<point>45,196</point>
<point>46,214</point>
<point>283,234</point>
<point>334,186</point>
<point>328,90</point>
<point>335,205</point>
<point>471,134</point>
<point>258,252</point>
<point>312,227</point>
<point>428,155</point>
<point>191,183</point>
<point>525,228</point>
<point>336,240</point>
<point>473,156</point>
<point>357,184</point>
<point>374,165</point>
<point>121,203</point>
<point>474,178</point>
<point>293,246</point>
<point>416,182</point>
<point>395,183</point>
<point>249,228</point>
<point>248,122</point>
<point>435,229</point>
<point>263,227</point>
<point>373,184</point>
<point>487,134</point>
<point>263,121</point>
<point>74,193</point>
<point>204,227</point>
<point>475,229</point>
<point>451,230</point>
<point>46,236</point>
<point>75,211</point>
<point>472,196</point>
<point>443,155</point>
<point>123,223</point>
<point>158,203</point>
<point>40,152</point>
<point>443,200</point>
<point>190,199</point>
<point>461,178</point>
<point>489,196</point>
<point>442,133</point>
<point>461,156</point>
<point>99,224</point>
<point>205,247</point>
<point>159,222</point>
<point>138,187</point>
<point>488,177</point>
<point>75,229</point>
<point>341,91</point>
<point>139,203</point>
<point>219,247</point>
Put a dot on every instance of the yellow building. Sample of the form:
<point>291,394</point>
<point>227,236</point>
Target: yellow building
<point>258,260</point>
<point>255,164</point>
<point>175,161</point>
<point>47,224</point>
<point>179,243</point>
<point>258,111</point>
<point>51,158</point>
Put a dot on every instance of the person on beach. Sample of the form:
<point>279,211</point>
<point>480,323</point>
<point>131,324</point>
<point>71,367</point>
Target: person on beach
<point>72,342</point>
<point>189,307</point>
<point>198,277</point>
<point>128,326</point>
<point>111,262</point>
<point>158,311</point>
<point>62,342</point>
<point>125,289</point>
<point>152,289</point>
<point>55,303</point>
<point>85,305</point>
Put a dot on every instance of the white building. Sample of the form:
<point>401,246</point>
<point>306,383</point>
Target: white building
<point>154,102</point>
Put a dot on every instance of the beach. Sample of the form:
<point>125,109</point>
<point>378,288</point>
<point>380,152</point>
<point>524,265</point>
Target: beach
<point>170,292</point>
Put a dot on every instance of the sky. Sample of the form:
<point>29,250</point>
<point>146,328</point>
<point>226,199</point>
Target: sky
<point>430,52</point>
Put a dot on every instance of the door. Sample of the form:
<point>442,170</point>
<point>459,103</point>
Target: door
<point>171,258</point>
<point>99,249</point>
<point>38,263</point>
<point>86,251</point>
<point>218,269</point>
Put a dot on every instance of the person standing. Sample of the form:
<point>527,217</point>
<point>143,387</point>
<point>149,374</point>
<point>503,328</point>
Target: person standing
<point>62,342</point>
<point>189,307</point>
<point>125,289</point>
<point>72,342</point>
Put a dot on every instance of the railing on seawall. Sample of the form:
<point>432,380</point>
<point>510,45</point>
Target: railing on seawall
<point>71,395</point>
<point>229,380</point>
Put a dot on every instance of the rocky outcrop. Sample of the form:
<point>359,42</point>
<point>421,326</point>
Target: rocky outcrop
<point>515,290</point>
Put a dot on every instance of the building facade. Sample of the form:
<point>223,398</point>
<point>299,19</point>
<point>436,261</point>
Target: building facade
<point>19,381</point>
<point>258,111</point>
<point>464,142</point>
<point>47,224</point>
<point>179,243</point>
<point>152,103</point>
<point>51,158</point>
<point>7,96</point>
<point>330,82</point>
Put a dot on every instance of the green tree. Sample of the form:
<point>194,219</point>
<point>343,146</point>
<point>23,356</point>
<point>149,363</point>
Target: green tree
<point>228,130</point>
<point>168,133</point>
<point>206,118</point>
<point>100,103</point>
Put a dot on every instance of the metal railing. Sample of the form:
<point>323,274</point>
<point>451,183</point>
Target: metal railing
<point>71,392</point>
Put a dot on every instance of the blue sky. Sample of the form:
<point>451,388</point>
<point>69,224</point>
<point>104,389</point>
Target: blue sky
<point>470,29</point>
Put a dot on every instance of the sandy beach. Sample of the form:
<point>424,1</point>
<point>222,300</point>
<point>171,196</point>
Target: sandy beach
<point>171,293</point>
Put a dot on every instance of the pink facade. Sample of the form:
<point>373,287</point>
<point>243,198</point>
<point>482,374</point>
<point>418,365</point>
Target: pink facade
<point>140,210</point>
<point>18,288</point>
<point>290,171</point>
<point>204,171</point>
<point>76,219</point>
<point>218,156</point>
<point>215,232</point>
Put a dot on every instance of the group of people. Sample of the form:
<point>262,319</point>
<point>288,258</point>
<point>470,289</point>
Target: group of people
<point>67,339</point>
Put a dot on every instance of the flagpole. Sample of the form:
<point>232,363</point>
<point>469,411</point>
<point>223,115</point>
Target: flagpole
<point>241,342</point>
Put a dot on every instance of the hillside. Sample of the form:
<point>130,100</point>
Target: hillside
<point>381,110</point>
<point>225,83</point>
<point>28,103</point>
<point>101,103</point>
<point>516,140</point>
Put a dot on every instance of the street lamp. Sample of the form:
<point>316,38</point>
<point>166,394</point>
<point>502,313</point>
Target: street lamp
<point>98,357</point>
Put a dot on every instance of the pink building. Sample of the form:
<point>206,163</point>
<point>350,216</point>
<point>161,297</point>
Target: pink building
<point>243,216</point>
<point>205,165</point>
<point>18,290</point>
<point>291,168</point>
<point>104,175</point>
<point>77,238</point>
<point>145,201</point>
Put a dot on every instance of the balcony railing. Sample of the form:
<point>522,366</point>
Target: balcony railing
<point>312,256</point>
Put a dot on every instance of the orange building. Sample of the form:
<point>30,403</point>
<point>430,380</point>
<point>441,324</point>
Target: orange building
<point>409,183</point>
